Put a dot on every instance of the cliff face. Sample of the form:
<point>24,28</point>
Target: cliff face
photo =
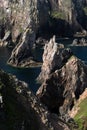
<point>21,15</point>
<point>26,20</point>
<point>22,109</point>
<point>22,18</point>
<point>64,80</point>
<point>64,86</point>
<point>71,11</point>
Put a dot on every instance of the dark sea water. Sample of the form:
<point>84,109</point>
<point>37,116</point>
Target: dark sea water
<point>79,51</point>
<point>29,75</point>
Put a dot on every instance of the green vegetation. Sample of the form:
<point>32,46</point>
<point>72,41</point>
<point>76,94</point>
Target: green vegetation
<point>81,117</point>
<point>85,10</point>
<point>58,15</point>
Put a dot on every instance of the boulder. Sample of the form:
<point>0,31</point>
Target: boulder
<point>79,42</point>
<point>75,42</point>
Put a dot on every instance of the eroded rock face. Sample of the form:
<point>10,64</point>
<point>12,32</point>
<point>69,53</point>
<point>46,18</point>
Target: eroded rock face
<point>23,50</point>
<point>64,86</point>
<point>18,17</point>
<point>71,11</point>
<point>23,109</point>
<point>54,57</point>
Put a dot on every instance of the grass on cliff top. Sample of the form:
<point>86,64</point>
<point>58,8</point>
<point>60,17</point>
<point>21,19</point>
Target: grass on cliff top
<point>81,116</point>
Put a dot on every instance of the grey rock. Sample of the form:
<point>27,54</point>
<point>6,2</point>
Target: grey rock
<point>75,42</point>
<point>7,36</point>
<point>17,16</point>
<point>79,42</point>
<point>54,57</point>
<point>23,49</point>
<point>20,16</point>
<point>63,87</point>
<point>24,108</point>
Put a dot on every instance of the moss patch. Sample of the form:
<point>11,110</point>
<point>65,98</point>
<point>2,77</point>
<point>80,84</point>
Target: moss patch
<point>57,15</point>
<point>85,10</point>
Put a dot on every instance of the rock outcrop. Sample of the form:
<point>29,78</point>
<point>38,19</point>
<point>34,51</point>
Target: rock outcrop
<point>22,108</point>
<point>18,17</point>
<point>73,12</point>
<point>79,42</point>
<point>54,57</point>
<point>56,17</point>
<point>23,50</point>
<point>6,41</point>
<point>63,87</point>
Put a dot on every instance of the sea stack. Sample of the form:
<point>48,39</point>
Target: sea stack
<point>54,57</point>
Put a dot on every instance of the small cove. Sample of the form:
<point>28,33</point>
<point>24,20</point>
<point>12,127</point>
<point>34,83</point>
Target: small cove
<point>29,75</point>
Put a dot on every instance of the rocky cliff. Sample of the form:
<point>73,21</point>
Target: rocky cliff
<point>22,19</point>
<point>63,82</point>
<point>64,86</point>
<point>21,109</point>
<point>54,57</point>
<point>72,12</point>
<point>27,20</point>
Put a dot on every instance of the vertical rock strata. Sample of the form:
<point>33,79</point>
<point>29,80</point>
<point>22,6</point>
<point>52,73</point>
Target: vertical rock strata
<point>64,84</point>
<point>54,57</point>
<point>72,11</point>
<point>23,18</point>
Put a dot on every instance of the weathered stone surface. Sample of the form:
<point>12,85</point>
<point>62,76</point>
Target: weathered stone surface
<point>16,16</point>
<point>23,49</point>
<point>20,16</point>
<point>71,11</point>
<point>7,40</point>
<point>79,42</point>
<point>54,57</point>
<point>22,54</point>
<point>23,109</point>
<point>64,86</point>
